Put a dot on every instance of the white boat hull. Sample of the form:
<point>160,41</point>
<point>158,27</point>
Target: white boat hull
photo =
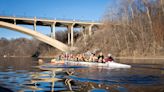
<point>92,64</point>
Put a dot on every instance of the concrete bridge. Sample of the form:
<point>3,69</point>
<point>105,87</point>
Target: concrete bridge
<point>11,23</point>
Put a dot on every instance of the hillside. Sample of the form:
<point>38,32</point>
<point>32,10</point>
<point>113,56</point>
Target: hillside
<point>129,30</point>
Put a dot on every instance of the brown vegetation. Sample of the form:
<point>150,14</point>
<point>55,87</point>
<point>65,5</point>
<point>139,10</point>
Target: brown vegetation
<point>17,47</point>
<point>33,47</point>
<point>133,28</point>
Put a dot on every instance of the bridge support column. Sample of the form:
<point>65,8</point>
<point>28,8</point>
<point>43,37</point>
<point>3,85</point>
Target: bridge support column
<point>72,36</point>
<point>14,21</point>
<point>34,23</point>
<point>70,32</point>
<point>90,29</point>
<point>53,35</point>
<point>69,35</point>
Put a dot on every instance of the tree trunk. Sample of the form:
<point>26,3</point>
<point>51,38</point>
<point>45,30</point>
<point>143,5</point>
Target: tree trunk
<point>162,5</point>
<point>117,40</point>
<point>151,30</point>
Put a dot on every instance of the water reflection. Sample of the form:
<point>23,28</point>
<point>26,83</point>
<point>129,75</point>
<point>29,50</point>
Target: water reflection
<point>22,75</point>
<point>43,80</point>
<point>51,79</point>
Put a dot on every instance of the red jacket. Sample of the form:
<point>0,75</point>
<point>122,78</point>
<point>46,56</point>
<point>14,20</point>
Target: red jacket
<point>108,59</point>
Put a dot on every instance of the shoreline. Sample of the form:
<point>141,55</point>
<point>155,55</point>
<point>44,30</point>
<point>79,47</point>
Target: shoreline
<point>121,57</point>
<point>153,57</point>
<point>128,59</point>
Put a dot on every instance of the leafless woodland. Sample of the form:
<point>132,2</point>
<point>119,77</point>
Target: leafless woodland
<point>132,28</point>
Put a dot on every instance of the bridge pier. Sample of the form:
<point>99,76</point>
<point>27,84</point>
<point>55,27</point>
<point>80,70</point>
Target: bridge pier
<point>53,30</point>
<point>70,33</point>
<point>90,29</point>
<point>14,21</point>
<point>34,23</point>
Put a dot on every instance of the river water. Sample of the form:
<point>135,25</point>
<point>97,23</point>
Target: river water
<point>23,75</point>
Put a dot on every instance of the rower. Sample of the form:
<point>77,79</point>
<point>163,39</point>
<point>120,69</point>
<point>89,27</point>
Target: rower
<point>100,57</point>
<point>40,61</point>
<point>93,58</point>
<point>109,58</point>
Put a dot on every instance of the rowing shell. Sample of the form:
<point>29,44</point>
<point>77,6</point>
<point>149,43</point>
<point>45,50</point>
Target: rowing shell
<point>92,64</point>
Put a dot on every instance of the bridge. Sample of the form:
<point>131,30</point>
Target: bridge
<point>10,22</point>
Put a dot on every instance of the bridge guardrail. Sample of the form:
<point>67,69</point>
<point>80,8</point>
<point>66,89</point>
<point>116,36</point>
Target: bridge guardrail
<point>51,18</point>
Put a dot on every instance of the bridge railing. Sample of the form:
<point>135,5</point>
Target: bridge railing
<point>50,18</point>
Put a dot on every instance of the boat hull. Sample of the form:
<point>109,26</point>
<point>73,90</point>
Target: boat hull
<point>92,64</point>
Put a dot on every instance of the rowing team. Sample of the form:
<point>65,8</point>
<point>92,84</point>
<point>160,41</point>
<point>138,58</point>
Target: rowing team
<point>81,57</point>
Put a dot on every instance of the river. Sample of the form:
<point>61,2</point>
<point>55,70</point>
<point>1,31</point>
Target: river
<point>23,75</point>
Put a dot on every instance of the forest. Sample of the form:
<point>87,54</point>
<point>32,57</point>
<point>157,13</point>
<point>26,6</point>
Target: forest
<point>132,28</point>
<point>31,47</point>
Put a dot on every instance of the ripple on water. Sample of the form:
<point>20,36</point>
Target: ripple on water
<point>7,73</point>
<point>28,80</point>
<point>121,89</point>
<point>135,80</point>
<point>93,80</point>
<point>21,71</point>
<point>62,66</point>
<point>98,90</point>
<point>47,86</point>
<point>145,80</point>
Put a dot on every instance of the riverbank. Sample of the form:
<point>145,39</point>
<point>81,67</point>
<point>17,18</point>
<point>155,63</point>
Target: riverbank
<point>139,60</point>
<point>142,60</point>
<point>129,57</point>
<point>153,57</point>
<point>148,57</point>
<point>135,60</point>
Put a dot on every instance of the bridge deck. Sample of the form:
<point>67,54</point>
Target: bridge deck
<point>45,22</point>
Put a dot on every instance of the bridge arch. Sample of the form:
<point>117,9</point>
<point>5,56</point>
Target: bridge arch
<point>53,42</point>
